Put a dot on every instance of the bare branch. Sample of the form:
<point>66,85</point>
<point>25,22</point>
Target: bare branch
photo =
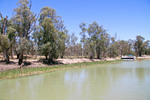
<point>30,25</point>
<point>4,25</point>
<point>30,4</point>
<point>1,15</point>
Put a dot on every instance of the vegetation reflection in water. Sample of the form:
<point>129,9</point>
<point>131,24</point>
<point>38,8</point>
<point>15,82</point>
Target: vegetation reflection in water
<point>122,81</point>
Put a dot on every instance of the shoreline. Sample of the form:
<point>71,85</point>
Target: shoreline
<point>37,63</point>
<point>14,72</point>
<point>28,71</point>
<point>144,57</point>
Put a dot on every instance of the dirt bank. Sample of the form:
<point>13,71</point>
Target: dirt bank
<point>35,63</point>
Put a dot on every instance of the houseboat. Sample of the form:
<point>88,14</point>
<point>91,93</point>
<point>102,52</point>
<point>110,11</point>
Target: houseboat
<point>128,57</point>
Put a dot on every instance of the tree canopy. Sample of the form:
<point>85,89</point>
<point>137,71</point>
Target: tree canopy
<point>45,34</point>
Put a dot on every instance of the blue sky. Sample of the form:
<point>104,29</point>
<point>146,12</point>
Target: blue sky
<point>126,18</point>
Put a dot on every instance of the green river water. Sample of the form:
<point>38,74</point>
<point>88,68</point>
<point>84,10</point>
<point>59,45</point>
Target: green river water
<point>122,81</point>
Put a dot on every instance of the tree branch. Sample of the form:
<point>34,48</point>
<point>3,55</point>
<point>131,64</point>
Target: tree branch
<point>1,15</point>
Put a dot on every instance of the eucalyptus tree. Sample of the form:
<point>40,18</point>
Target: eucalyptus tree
<point>24,21</point>
<point>77,50</point>
<point>54,34</point>
<point>8,37</point>
<point>113,49</point>
<point>5,44</point>
<point>146,46</point>
<point>73,40</point>
<point>87,48</point>
<point>131,46</point>
<point>45,49</point>
<point>99,40</point>
<point>63,40</point>
<point>104,43</point>
<point>11,33</point>
<point>124,47</point>
<point>83,35</point>
<point>49,36</point>
<point>138,46</point>
<point>3,24</point>
<point>93,39</point>
<point>37,37</point>
<point>63,37</point>
<point>4,41</point>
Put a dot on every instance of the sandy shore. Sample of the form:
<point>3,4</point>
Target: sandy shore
<point>71,61</point>
<point>144,57</point>
<point>35,63</point>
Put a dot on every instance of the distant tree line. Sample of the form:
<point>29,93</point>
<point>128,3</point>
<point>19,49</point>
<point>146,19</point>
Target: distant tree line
<point>97,43</point>
<point>21,35</point>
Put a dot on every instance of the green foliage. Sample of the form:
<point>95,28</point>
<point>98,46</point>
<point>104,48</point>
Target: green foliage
<point>146,47</point>
<point>113,50</point>
<point>124,47</point>
<point>73,39</point>
<point>50,37</point>
<point>37,36</point>
<point>96,42</point>
<point>139,46</point>
<point>45,49</point>
<point>23,22</point>
<point>71,45</point>
<point>83,32</point>
<point>62,43</point>
<point>4,42</point>
<point>53,34</point>
<point>11,31</point>
<point>23,44</point>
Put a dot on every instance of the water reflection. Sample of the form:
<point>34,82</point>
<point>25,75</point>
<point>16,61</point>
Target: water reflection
<point>122,81</point>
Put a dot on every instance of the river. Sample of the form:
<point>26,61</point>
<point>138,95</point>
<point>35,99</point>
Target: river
<point>122,81</point>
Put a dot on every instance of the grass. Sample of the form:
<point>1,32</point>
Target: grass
<point>14,73</point>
